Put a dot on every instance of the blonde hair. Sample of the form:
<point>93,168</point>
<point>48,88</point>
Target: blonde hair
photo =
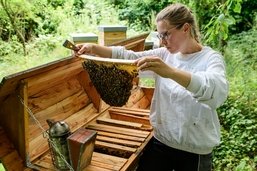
<point>178,14</point>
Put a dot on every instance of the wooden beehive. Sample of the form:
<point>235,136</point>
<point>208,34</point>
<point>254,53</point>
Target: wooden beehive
<point>111,34</point>
<point>78,38</point>
<point>62,90</point>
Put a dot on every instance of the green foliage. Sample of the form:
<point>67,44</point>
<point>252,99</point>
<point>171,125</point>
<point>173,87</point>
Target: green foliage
<point>238,149</point>
<point>140,14</point>
<point>217,30</point>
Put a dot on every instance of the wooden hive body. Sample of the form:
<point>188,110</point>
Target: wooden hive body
<point>62,90</point>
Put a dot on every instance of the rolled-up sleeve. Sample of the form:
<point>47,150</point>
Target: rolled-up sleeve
<point>119,52</point>
<point>211,86</point>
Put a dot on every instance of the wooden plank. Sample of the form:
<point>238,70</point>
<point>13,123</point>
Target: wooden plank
<point>134,158</point>
<point>136,95</point>
<point>108,159</point>
<point>142,103</point>
<point>124,131</point>
<point>129,118</point>
<point>64,108</point>
<point>95,168</point>
<point>58,111</point>
<point>10,83</point>
<point>90,89</point>
<point>108,121</point>
<point>39,145</point>
<point>114,149</point>
<point>45,162</point>
<point>48,97</point>
<point>53,77</point>
<point>118,141</point>
<point>12,161</point>
<point>5,144</point>
<point>148,91</point>
<point>129,112</point>
<point>119,136</point>
<point>131,109</point>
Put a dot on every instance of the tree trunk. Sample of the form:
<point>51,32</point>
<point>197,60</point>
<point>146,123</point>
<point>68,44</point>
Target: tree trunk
<point>12,20</point>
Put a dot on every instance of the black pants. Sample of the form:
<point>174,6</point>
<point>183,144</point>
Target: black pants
<point>159,157</point>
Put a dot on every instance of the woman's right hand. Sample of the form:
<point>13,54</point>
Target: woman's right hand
<point>86,48</point>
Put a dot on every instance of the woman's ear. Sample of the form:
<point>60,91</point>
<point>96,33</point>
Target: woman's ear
<point>186,27</point>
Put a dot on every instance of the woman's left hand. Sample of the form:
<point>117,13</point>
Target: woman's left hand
<point>155,64</point>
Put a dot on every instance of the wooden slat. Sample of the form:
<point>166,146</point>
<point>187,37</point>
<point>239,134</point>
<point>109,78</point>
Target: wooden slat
<point>12,161</point>
<point>39,144</point>
<point>129,112</point>
<point>129,118</point>
<point>90,89</point>
<point>53,77</point>
<point>119,136</point>
<point>53,95</point>
<point>136,95</point>
<point>131,109</point>
<point>108,159</point>
<point>124,131</point>
<point>10,83</point>
<point>45,162</point>
<point>114,149</point>
<point>64,108</point>
<point>108,121</point>
<point>58,111</point>
<point>95,168</point>
<point>142,103</point>
<point>5,145</point>
<point>118,141</point>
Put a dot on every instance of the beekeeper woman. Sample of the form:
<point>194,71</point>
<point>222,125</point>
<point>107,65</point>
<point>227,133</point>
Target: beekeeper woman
<point>190,84</point>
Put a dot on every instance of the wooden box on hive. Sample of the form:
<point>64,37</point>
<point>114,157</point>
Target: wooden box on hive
<point>111,34</point>
<point>78,38</point>
<point>81,146</point>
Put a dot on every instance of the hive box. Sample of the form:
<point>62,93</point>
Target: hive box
<point>81,146</point>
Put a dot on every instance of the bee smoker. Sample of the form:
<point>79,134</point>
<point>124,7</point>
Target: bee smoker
<point>58,133</point>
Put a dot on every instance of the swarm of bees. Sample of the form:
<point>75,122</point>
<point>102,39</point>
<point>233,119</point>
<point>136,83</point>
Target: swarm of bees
<point>112,83</point>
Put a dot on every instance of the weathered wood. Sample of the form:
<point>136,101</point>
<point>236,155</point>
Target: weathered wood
<point>12,161</point>
<point>119,136</point>
<point>90,89</point>
<point>131,110</point>
<point>81,147</point>
<point>64,108</point>
<point>48,97</point>
<point>135,43</point>
<point>108,159</point>
<point>129,118</point>
<point>10,83</point>
<point>118,141</point>
<point>124,131</point>
<point>5,145</point>
<point>53,77</point>
<point>148,92</point>
<point>114,149</point>
<point>134,158</point>
<point>114,122</point>
<point>135,112</point>
<point>136,95</point>
<point>39,144</point>
<point>142,103</point>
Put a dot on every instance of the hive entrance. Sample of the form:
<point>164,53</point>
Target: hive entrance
<point>112,78</point>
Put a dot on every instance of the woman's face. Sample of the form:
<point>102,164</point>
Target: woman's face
<point>170,36</point>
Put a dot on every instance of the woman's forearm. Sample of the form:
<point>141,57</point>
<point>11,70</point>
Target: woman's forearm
<point>102,51</point>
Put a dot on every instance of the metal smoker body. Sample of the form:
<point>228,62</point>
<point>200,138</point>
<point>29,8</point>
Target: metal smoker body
<point>58,133</point>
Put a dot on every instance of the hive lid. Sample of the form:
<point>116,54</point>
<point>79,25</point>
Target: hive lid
<point>122,64</point>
